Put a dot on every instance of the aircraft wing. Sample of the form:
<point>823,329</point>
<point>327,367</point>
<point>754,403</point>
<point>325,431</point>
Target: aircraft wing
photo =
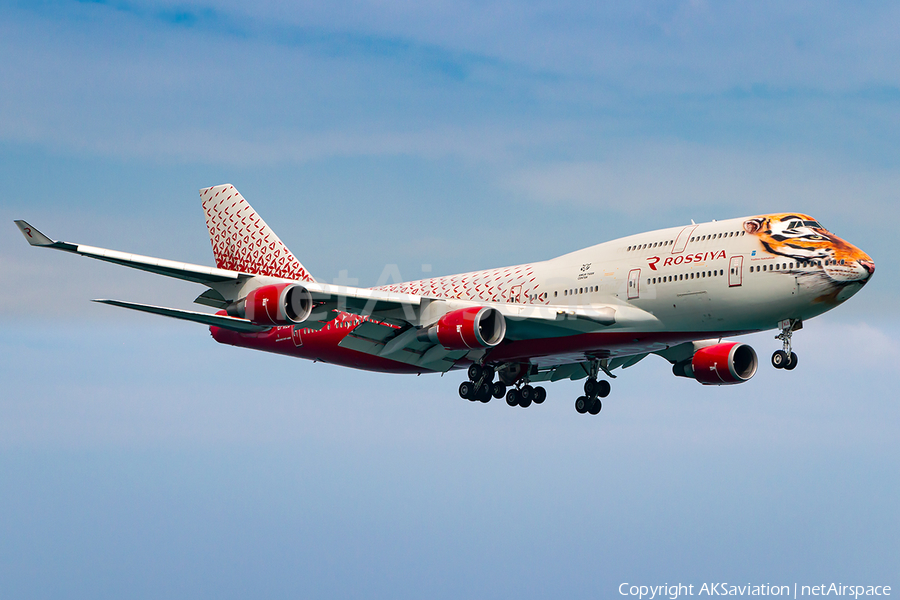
<point>407,312</point>
<point>170,268</point>
<point>219,280</point>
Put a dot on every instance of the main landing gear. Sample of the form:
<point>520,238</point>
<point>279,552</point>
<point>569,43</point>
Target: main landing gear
<point>785,358</point>
<point>593,391</point>
<point>481,385</point>
<point>524,395</point>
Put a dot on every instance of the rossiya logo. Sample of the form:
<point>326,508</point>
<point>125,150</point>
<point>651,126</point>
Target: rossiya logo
<point>684,258</point>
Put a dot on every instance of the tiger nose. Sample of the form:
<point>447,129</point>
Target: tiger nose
<point>869,266</point>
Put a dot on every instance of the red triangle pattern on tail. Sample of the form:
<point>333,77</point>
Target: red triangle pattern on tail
<point>241,240</point>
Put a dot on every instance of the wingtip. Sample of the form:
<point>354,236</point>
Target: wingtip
<point>32,235</point>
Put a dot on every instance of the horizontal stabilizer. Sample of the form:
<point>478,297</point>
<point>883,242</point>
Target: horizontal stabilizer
<point>223,321</point>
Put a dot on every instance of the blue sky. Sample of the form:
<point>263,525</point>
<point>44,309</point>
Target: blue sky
<point>140,458</point>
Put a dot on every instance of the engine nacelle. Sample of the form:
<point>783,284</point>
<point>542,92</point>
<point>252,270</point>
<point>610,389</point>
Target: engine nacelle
<point>467,328</point>
<point>722,364</point>
<point>276,304</point>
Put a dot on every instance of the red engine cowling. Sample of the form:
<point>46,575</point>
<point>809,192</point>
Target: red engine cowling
<point>722,364</point>
<point>467,328</point>
<point>277,304</point>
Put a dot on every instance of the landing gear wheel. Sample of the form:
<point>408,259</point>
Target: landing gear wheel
<point>488,373</point>
<point>498,390</point>
<point>603,388</point>
<point>595,406</point>
<point>527,393</point>
<point>540,394</point>
<point>475,372</point>
<point>792,364</point>
<point>581,404</point>
<point>590,387</point>
<point>523,401</point>
<point>484,392</point>
<point>466,390</point>
<point>780,359</point>
<point>512,397</point>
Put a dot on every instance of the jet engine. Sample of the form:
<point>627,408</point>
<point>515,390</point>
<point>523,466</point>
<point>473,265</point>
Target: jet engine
<point>467,328</point>
<point>276,304</point>
<point>721,364</point>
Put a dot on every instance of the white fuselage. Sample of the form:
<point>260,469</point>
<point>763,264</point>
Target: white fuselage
<point>713,277</point>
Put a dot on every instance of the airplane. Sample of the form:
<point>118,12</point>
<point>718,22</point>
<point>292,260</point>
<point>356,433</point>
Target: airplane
<point>676,293</point>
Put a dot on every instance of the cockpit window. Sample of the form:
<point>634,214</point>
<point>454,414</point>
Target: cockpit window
<point>814,224</point>
<point>795,224</point>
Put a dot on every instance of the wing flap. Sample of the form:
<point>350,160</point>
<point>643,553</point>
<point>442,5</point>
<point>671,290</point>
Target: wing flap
<point>400,345</point>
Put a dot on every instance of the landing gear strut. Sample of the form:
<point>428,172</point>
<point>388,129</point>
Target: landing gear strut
<point>785,358</point>
<point>593,390</point>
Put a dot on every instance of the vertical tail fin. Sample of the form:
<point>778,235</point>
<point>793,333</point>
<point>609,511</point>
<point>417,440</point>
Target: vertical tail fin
<point>242,241</point>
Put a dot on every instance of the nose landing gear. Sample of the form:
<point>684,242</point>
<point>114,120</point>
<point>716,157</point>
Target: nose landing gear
<point>785,358</point>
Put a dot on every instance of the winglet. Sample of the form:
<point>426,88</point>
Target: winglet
<point>34,237</point>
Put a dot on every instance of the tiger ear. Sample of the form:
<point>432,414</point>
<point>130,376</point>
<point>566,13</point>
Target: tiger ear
<point>754,225</point>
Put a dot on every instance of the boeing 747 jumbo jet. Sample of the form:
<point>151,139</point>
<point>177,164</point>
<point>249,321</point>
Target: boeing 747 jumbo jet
<point>672,292</point>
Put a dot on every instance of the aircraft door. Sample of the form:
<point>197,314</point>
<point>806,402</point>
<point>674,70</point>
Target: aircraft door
<point>634,284</point>
<point>682,239</point>
<point>515,294</point>
<point>295,336</point>
<point>735,271</point>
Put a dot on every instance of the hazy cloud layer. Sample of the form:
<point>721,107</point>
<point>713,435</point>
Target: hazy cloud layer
<point>141,459</point>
